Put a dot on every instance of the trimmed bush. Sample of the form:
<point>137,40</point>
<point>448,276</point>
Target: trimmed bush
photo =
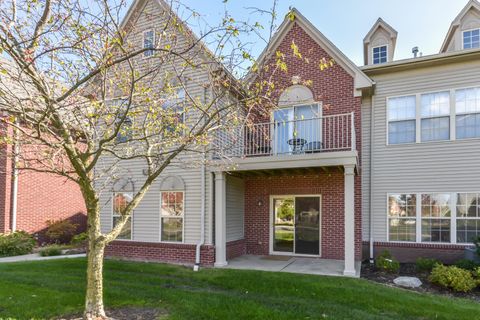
<point>16,243</point>
<point>385,262</point>
<point>466,264</point>
<point>453,277</point>
<point>60,231</point>
<point>80,239</point>
<point>49,251</point>
<point>425,264</point>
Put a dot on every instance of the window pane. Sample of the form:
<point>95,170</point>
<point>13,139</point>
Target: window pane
<point>172,229</point>
<point>471,39</point>
<point>380,54</point>
<point>468,126</point>
<point>402,205</point>
<point>402,229</point>
<point>126,232</point>
<point>172,204</point>
<point>148,39</point>
<point>435,129</point>
<point>401,132</point>
<point>467,100</point>
<point>435,104</point>
<point>435,230</point>
<point>467,230</point>
<point>401,108</point>
<point>436,205</point>
<point>120,202</point>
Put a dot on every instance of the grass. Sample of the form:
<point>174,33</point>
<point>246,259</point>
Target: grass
<point>46,289</point>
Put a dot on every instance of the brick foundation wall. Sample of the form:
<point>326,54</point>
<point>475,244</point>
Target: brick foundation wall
<point>330,185</point>
<point>236,248</point>
<point>160,252</point>
<point>410,252</point>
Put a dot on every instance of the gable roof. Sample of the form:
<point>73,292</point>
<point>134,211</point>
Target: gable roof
<point>472,4</point>
<point>138,5</point>
<point>380,23</point>
<point>361,80</point>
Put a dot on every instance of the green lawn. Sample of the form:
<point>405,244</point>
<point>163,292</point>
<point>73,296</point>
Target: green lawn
<point>51,288</point>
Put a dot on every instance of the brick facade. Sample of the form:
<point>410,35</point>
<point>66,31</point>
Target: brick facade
<point>331,188</point>
<point>41,197</point>
<point>161,252</point>
<point>409,252</point>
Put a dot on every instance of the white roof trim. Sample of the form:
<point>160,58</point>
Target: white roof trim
<point>456,23</point>
<point>380,23</point>
<point>360,79</point>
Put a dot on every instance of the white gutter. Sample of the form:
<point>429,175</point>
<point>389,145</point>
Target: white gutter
<point>16,150</point>
<point>202,217</point>
<point>370,220</point>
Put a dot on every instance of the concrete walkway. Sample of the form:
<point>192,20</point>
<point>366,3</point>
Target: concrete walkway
<point>317,266</point>
<point>37,257</point>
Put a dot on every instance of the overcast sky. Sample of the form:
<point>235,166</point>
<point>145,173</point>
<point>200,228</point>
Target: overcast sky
<point>422,23</point>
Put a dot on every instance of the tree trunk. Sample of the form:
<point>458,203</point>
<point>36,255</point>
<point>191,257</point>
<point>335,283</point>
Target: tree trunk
<point>94,309</point>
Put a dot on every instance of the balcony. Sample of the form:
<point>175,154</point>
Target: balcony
<point>294,143</point>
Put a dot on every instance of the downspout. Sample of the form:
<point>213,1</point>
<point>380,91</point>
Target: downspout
<point>202,216</point>
<point>14,199</point>
<point>370,220</point>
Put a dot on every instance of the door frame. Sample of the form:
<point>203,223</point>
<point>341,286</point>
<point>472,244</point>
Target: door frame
<point>272,234</point>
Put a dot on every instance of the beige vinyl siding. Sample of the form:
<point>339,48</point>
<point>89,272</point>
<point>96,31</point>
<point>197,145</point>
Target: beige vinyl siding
<point>448,166</point>
<point>235,208</point>
<point>365,170</point>
<point>146,217</point>
<point>146,220</point>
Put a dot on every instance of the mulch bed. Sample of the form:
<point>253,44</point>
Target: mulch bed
<point>128,313</point>
<point>369,272</point>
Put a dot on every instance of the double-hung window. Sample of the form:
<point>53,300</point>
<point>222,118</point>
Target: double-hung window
<point>402,211</point>
<point>171,215</point>
<point>468,217</point>
<point>401,120</point>
<point>120,202</point>
<point>467,103</point>
<point>148,42</point>
<point>471,39</point>
<point>435,112</point>
<point>174,109</point>
<point>379,54</point>
<point>436,215</point>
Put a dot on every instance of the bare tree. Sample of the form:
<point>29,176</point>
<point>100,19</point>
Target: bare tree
<point>85,98</point>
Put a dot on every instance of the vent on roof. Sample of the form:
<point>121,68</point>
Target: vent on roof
<point>415,51</point>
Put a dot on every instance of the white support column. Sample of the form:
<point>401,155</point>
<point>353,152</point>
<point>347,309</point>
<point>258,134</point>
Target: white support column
<point>349,221</point>
<point>220,220</point>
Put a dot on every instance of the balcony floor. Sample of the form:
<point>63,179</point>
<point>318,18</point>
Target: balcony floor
<point>316,266</point>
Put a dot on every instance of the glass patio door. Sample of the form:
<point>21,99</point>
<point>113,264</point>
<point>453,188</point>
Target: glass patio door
<point>298,122</point>
<point>296,225</point>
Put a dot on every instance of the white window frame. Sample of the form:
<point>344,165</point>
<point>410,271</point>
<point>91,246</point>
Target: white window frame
<point>464,218</point>
<point>148,53</point>
<point>463,38</point>
<point>453,218</point>
<point>380,46</point>
<point>116,215</point>
<point>419,110</point>
<point>453,116</point>
<point>175,217</point>
<point>411,218</point>
<point>456,113</point>
<point>409,119</point>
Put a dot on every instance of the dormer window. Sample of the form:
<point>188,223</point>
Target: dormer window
<point>471,39</point>
<point>379,54</point>
<point>148,42</point>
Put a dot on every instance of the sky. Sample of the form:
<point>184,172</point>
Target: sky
<point>422,23</point>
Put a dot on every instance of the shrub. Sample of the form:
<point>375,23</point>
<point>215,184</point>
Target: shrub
<point>60,231</point>
<point>453,277</point>
<point>16,243</point>
<point>425,264</point>
<point>52,250</point>
<point>80,239</point>
<point>385,262</point>
<point>466,264</point>
<point>477,245</point>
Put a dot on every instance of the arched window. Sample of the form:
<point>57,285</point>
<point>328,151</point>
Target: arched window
<point>172,209</point>
<point>298,123</point>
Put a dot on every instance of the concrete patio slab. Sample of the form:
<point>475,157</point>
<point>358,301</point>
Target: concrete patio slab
<point>316,266</point>
<point>37,257</point>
